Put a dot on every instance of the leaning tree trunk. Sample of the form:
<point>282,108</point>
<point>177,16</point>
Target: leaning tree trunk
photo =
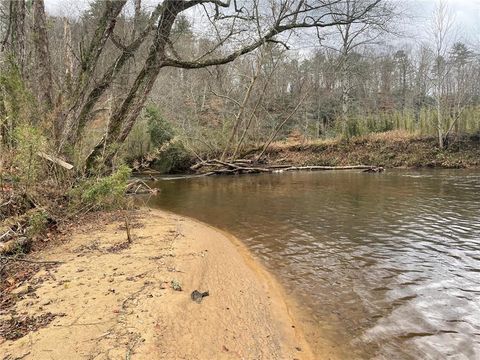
<point>88,63</point>
<point>280,126</point>
<point>79,118</point>
<point>68,54</point>
<point>240,113</point>
<point>125,114</point>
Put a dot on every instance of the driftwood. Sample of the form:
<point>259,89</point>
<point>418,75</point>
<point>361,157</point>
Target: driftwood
<point>352,167</point>
<point>11,246</point>
<point>215,162</point>
<point>219,167</point>
<point>139,187</point>
<point>55,160</point>
<point>7,235</point>
<point>375,170</point>
<point>15,231</point>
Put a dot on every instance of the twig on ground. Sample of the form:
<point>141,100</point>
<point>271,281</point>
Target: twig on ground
<point>12,258</point>
<point>127,228</point>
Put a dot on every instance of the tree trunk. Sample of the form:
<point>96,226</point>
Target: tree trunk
<point>257,104</point>
<point>88,63</point>
<point>404,88</point>
<point>136,18</point>
<point>68,54</point>
<point>241,111</point>
<point>345,95</point>
<point>280,126</point>
<point>17,33</point>
<point>42,52</point>
<point>83,114</point>
<point>121,86</point>
<point>124,115</point>
<point>439,122</point>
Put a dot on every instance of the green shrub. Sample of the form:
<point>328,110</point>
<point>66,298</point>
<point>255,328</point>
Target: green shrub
<point>159,129</point>
<point>104,192</point>
<point>28,142</point>
<point>172,157</point>
<point>150,133</point>
<point>138,142</point>
<point>19,104</point>
<point>37,223</point>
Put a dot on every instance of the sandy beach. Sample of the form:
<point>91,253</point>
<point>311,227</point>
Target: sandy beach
<point>114,299</point>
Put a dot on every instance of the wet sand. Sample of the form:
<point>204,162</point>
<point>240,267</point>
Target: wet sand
<point>111,299</point>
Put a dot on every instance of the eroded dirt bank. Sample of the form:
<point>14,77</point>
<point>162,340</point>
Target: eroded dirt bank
<point>390,149</point>
<point>111,299</point>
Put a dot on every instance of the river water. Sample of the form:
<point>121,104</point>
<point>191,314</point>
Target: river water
<point>385,266</point>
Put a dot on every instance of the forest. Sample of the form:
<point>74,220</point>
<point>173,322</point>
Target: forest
<point>222,87</point>
<point>121,82</point>
<point>102,100</point>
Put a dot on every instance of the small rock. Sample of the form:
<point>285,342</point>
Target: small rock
<point>198,296</point>
<point>176,285</point>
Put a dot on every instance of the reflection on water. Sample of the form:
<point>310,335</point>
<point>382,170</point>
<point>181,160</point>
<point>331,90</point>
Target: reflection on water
<point>386,264</point>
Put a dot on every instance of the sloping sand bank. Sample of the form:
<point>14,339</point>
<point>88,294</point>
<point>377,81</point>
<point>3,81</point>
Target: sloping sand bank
<point>111,299</point>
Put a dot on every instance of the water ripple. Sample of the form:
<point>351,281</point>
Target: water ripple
<point>389,264</point>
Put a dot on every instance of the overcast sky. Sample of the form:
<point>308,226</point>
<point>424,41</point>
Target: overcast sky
<point>467,13</point>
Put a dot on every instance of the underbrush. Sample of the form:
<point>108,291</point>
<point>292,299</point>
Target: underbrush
<point>33,204</point>
<point>102,193</point>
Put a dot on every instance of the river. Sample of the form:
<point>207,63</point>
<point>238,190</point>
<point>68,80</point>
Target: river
<point>385,266</point>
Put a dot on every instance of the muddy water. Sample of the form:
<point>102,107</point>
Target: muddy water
<point>385,266</point>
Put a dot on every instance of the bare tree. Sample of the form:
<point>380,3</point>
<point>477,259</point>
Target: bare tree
<point>241,111</point>
<point>231,24</point>
<point>99,59</point>
<point>282,123</point>
<point>441,27</point>
<point>355,34</point>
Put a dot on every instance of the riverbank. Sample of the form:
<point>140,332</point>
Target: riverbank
<point>394,149</point>
<point>107,297</point>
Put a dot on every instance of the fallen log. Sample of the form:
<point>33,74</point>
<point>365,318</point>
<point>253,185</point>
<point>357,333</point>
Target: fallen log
<point>7,235</point>
<point>229,168</point>
<point>242,161</point>
<point>242,168</point>
<point>375,170</point>
<point>21,244</point>
<point>55,160</point>
<point>313,167</point>
<point>198,165</point>
<point>280,166</point>
<point>139,187</point>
